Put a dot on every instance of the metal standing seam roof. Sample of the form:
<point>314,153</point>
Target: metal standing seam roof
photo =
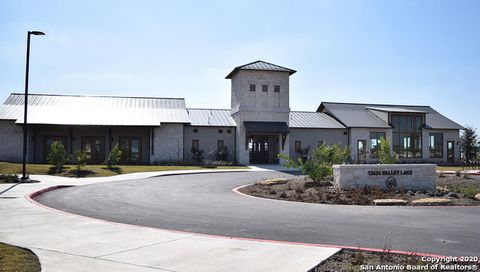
<point>95,110</point>
<point>260,65</point>
<point>304,119</point>
<point>266,127</point>
<point>211,117</point>
<point>359,115</point>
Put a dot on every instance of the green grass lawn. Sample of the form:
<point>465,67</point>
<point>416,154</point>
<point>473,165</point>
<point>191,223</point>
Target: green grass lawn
<point>17,259</point>
<point>450,168</point>
<point>95,170</point>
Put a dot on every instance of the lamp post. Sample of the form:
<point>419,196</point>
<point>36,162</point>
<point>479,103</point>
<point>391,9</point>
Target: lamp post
<point>25,124</point>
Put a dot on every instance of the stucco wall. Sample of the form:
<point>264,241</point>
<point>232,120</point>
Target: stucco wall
<point>167,143</point>
<point>311,137</point>
<point>208,139</point>
<point>11,141</point>
<point>364,134</point>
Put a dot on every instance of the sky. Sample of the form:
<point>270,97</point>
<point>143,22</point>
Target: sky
<point>392,52</point>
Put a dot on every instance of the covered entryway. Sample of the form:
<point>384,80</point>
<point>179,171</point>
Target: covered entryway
<point>264,141</point>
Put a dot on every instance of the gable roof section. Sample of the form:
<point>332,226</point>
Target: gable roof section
<point>95,110</point>
<point>359,115</point>
<point>211,117</point>
<point>260,65</point>
<point>304,119</point>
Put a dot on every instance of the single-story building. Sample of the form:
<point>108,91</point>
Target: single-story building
<point>258,126</point>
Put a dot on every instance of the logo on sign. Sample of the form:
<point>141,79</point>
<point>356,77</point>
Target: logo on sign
<point>391,182</point>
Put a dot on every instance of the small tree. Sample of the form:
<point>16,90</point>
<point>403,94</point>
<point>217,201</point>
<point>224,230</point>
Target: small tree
<point>197,155</point>
<point>321,160</point>
<point>385,155</point>
<point>57,155</point>
<point>80,160</point>
<point>113,157</point>
<point>222,154</point>
<point>468,142</point>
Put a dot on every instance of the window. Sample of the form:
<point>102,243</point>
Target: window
<point>195,145</point>
<point>435,142</point>
<point>49,141</point>
<point>131,148</point>
<point>298,146</point>
<point>229,131</point>
<point>220,131</point>
<point>195,130</point>
<point>361,151</point>
<point>407,135</point>
<point>374,142</point>
<point>264,88</point>
<point>320,143</point>
<point>220,145</point>
<point>276,88</point>
<point>252,87</point>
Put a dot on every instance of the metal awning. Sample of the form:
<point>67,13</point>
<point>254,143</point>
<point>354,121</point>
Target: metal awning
<point>266,127</point>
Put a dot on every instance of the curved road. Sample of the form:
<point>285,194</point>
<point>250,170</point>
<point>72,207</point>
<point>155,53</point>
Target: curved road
<point>205,203</point>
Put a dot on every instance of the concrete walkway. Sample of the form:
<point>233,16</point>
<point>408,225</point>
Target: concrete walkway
<point>67,242</point>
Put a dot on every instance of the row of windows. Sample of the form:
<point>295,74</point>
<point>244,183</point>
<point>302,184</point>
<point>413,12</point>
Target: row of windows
<point>220,131</point>
<point>196,145</point>
<point>253,88</point>
<point>298,145</point>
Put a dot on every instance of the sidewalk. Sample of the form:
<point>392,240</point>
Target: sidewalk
<point>66,242</point>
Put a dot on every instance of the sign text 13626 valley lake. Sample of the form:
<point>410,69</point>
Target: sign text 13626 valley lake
<point>390,172</point>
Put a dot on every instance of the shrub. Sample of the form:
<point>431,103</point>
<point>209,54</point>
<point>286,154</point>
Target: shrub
<point>9,178</point>
<point>304,153</point>
<point>458,173</point>
<point>80,160</point>
<point>222,154</point>
<point>57,156</point>
<point>321,160</point>
<point>197,155</point>
<point>113,157</point>
<point>385,155</point>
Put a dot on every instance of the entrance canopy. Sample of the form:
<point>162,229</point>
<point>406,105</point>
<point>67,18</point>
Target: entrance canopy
<point>266,127</point>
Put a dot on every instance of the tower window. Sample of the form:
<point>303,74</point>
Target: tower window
<point>220,131</point>
<point>264,88</point>
<point>229,131</point>
<point>252,87</point>
<point>276,88</point>
<point>195,130</point>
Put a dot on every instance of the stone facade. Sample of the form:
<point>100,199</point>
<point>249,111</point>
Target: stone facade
<point>310,137</point>
<point>11,139</point>
<point>258,105</point>
<point>167,143</point>
<point>385,176</point>
<point>208,138</point>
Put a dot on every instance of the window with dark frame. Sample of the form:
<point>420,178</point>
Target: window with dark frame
<point>252,87</point>
<point>195,145</point>
<point>229,131</point>
<point>407,135</point>
<point>435,142</point>
<point>276,88</point>
<point>264,88</point>
<point>131,148</point>
<point>220,131</point>
<point>195,130</point>
<point>298,146</point>
<point>220,145</point>
<point>321,142</point>
<point>374,142</point>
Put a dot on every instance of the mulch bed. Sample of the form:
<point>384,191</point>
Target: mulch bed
<point>357,260</point>
<point>300,188</point>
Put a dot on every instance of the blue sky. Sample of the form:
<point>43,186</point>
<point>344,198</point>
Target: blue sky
<point>400,52</point>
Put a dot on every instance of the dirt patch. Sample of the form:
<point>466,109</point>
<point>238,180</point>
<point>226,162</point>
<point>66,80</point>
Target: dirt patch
<point>455,190</point>
<point>357,260</point>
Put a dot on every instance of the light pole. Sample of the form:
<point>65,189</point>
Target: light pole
<point>25,124</point>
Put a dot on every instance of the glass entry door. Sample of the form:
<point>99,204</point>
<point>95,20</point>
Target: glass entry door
<point>361,151</point>
<point>131,148</point>
<point>94,147</point>
<point>259,147</point>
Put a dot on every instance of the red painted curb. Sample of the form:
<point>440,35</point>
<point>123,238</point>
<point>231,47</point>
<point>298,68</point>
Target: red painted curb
<point>30,196</point>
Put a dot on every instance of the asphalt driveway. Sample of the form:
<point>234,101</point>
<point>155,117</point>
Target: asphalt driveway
<point>205,203</point>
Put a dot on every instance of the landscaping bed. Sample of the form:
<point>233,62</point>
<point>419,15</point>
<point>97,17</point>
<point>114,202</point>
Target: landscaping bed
<point>18,259</point>
<point>451,190</point>
<point>357,260</point>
